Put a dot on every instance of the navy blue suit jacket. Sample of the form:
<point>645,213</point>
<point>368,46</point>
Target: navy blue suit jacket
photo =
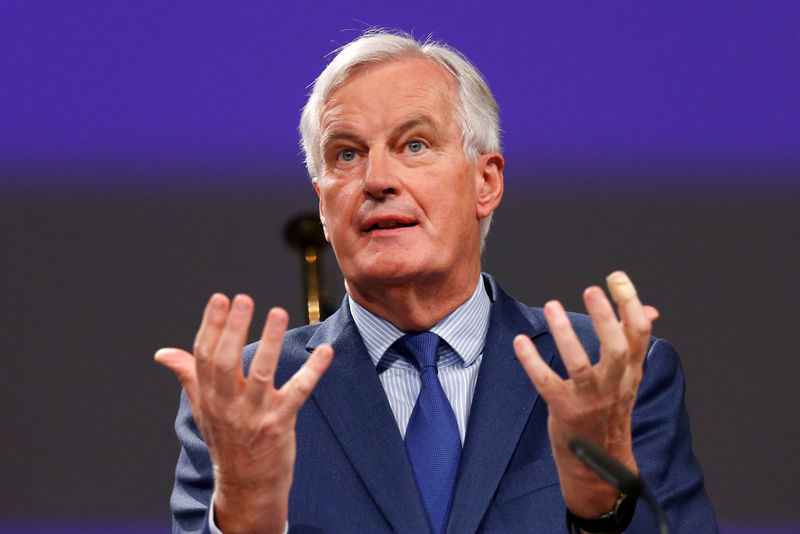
<point>352,473</point>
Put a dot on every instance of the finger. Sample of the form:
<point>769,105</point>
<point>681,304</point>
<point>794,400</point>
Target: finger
<point>635,322</point>
<point>300,386</point>
<point>613,343</point>
<point>182,364</point>
<point>651,313</point>
<point>574,357</point>
<point>205,343</point>
<point>546,381</point>
<point>228,376</point>
<point>261,377</point>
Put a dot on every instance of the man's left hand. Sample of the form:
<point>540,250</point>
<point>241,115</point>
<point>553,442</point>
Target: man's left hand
<point>596,401</point>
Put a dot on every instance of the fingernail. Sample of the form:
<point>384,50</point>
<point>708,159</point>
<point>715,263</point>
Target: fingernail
<point>216,301</point>
<point>593,293</point>
<point>240,305</point>
<point>278,317</point>
<point>620,287</point>
<point>553,306</point>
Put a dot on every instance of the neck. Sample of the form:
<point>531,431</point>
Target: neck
<point>417,304</point>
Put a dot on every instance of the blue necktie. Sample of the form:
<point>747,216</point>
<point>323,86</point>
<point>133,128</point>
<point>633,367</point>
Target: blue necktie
<point>432,439</point>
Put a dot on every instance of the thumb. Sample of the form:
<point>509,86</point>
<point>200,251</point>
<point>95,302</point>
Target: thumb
<point>182,364</point>
<point>651,313</point>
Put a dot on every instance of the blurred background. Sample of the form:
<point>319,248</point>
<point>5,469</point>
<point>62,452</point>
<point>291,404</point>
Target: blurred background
<point>149,157</point>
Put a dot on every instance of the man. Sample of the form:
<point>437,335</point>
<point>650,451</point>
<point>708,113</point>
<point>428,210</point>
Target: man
<point>402,144</point>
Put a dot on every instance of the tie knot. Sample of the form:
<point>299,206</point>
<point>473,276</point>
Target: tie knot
<point>419,349</point>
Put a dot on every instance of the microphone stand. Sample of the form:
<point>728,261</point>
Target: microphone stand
<point>618,476</point>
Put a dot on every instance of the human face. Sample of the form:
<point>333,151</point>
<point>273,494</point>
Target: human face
<point>399,198</point>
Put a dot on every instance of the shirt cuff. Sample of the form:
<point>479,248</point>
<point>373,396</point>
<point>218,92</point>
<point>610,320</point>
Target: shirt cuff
<point>212,526</point>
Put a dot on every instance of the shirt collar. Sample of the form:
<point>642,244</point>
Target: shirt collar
<point>464,329</point>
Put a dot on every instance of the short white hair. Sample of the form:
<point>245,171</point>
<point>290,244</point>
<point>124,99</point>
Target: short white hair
<point>476,109</point>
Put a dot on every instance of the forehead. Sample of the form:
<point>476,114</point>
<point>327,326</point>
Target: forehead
<point>383,93</point>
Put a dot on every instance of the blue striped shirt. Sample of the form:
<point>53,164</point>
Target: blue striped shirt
<point>459,358</point>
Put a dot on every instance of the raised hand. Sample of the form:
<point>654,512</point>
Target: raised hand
<point>596,401</point>
<point>247,423</point>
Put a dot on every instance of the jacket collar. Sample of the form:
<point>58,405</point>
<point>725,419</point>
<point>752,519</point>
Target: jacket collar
<point>502,403</point>
<point>351,398</point>
<point>353,402</point>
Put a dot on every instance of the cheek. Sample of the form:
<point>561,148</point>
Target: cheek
<point>338,204</point>
<point>453,200</point>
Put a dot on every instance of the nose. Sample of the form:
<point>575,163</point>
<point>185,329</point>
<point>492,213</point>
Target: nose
<point>381,178</point>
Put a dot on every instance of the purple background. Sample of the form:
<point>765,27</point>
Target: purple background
<point>149,156</point>
<point>210,86</point>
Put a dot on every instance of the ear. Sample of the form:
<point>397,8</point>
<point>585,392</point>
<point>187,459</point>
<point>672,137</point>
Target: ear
<point>321,211</point>
<point>489,177</point>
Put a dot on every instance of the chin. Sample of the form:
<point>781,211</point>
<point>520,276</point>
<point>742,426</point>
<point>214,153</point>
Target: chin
<point>397,269</point>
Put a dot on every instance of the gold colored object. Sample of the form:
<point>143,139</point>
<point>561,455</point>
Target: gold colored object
<point>311,276</point>
<point>305,233</point>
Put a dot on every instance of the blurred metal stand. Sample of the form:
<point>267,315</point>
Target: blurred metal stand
<point>305,234</point>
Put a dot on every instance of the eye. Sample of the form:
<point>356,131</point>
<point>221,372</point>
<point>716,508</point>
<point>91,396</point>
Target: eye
<point>415,146</point>
<point>348,154</point>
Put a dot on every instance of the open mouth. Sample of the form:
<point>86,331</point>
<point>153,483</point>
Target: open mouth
<point>390,225</point>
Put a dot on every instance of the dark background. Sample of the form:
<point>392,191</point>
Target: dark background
<point>148,157</point>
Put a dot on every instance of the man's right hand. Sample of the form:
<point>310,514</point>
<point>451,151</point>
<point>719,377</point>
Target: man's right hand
<point>248,425</point>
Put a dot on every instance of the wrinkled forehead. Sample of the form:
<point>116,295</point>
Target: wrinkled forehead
<point>400,83</point>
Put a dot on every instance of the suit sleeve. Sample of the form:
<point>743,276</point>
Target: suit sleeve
<point>194,476</point>
<point>662,445</point>
<point>194,479</point>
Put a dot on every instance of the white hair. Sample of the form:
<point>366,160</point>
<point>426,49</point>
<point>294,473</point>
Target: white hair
<point>476,109</point>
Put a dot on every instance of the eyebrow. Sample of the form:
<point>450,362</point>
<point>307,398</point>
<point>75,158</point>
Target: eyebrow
<point>420,120</point>
<point>330,138</point>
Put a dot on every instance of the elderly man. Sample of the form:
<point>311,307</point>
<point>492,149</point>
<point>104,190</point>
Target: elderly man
<point>424,421</point>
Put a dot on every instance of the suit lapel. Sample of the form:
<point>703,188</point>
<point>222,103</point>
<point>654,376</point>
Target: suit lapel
<point>501,405</point>
<point>352,400</point>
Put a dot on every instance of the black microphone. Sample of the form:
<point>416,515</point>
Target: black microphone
<point>617,475</point>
